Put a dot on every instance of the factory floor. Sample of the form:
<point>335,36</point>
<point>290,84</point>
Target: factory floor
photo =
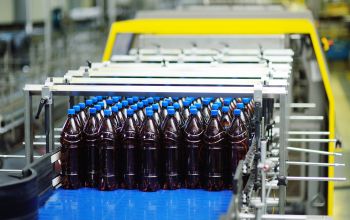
<point>340,82</point>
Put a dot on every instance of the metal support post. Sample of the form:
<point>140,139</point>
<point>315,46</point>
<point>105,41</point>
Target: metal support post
<point>28,131</point>
<point>282,156</point>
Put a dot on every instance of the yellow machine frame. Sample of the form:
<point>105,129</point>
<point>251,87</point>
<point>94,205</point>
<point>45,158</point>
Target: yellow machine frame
<point>237,26</point>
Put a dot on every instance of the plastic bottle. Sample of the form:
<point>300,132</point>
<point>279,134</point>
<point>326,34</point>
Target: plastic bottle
<point>91,137</point>
<point>82,113</point>
<point>109,103</point>
<point>98,112</point>
<point>107,152</point>
<point>140,113</point>
<point>199,112</point>
<point>116,99</point>
<point>244,116</point>
<point>136,118</point>
<point>150,101</point>
<point>89,104</point>
<point>156,116</point>
<point>206,111</point>
<point>238,145</point>
<point>77,110</point>
<point>214,142</point>
<point>193,133</point>
<point>172,141</point>
<point>219,104</point>
<point>102,104</point>
<point>135,99</point>
<point>130,101</point>
<point>186,111</point>
<point>94,100</point>
<point>71,137</point>
<point>216,107</point>
<point>226,118</point>
<point>145,104</point>
<point>150,154</point>
<point>247,107</point>
<point>125,108</point>
<point>177,114</point>
<point>130,152</point>
<point>164,111</point>
<point>120,113</point>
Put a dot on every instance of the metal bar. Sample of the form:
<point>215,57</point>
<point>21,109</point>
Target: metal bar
<point>263,174</point>
<point>315,164</point>
<point>223,91</point>
<point>311,178</point>
<point>43,136</point>
<point>167,81</point>
<point>305,117</point>
<point>58,129</point>
<point>314,151</point>
<point>11,170</point>
<point>47,131</point>
<point>51,126</point>
<point>298,105</point>
<point>40,143</point>
<point>28,132</point>
<point>320,140</point>
<point>283,217</point>
<point>282,152</point>
<point>308,132</point>
<point>15,156</point>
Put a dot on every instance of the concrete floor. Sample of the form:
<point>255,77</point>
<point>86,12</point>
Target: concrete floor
<point>340,82</point>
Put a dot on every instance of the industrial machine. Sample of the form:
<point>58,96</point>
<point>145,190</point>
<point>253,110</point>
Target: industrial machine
<point>277,60</point>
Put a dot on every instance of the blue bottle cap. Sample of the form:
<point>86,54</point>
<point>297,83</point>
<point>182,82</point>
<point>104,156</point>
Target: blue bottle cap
<point>109,101</point>
<point>125,103</point>
<point>71,111</point>
<point>156,98</point>
<point>115,99</point>
<point>134,107</point>
<point>225,109</point>
<point>227,102</point>
<point>150,100</point>
<point>76,108</point>
<point>149,113</point>
<point>215,107</point>
<point>97,107</point>
<point>219,104</point>
<point>186,103</point>
<point>114,109</point>
<point>99,98</point>
<point>82,105</point>
<point>130,101</point>
<point>119,105</point>
<point>240,105</point>
<point>245,100</point>
<point>214,113</point>
<point>175,98</point>
<point>237,112</point>
<point>149,108</point>
<point>88,102</point>
<point>165,104</point>
<point>170,107</point>
<point>107,112</point>
<point>135,98</point>
<point>206,101</point>
<point>171,111</point>
<point>92,111</point>
<point>102,104</point>
<point>155,107</point>
<point>176,106</point>
<point>130,112</point>
<point>145,102</point>
<point>140,105</point>
<point>94,100</point>
<point>193,111</point>
<point>198,106</point>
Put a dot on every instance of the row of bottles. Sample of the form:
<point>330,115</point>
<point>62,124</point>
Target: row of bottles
<point>155,143</point>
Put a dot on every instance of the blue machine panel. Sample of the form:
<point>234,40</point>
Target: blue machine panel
<point>132,204</point>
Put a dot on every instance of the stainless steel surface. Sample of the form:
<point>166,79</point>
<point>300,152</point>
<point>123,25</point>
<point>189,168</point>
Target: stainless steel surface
<point>308,132</point>
<point>319,140</point>
<point>314,164</point>
<point>313,151</point>
<point>311,178</point>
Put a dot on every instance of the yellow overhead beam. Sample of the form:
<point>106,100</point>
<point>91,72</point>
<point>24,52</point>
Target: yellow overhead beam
<point>237,26</point>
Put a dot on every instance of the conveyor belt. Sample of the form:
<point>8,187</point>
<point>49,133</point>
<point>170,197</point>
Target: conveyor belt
<point>132,204</point>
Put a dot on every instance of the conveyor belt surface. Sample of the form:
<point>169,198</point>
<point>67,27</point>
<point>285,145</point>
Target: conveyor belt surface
<point>132,204</point>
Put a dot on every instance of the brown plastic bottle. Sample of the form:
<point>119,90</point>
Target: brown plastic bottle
<point>71,137</point>
<point>214,146</point>
<point>107,151</point>
<point>171,132</point>
<point>91,137</point>
<point>130,152</point>
<point>193,133</point>
<point>238,145</point>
